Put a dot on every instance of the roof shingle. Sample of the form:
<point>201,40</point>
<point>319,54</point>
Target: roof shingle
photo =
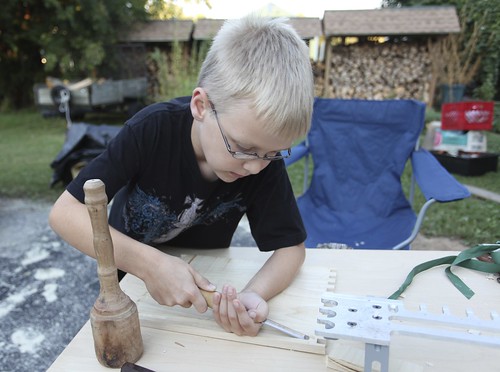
<point>205,29</point>
<point>160,31</point>
<point>307,28</point>
<point>392,21</point>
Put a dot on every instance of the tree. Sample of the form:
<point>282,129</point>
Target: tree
<point>69,39</point>
<point>65,38</point>
<point>481,19</point>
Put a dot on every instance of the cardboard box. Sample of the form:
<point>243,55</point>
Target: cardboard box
<point>453,141</point>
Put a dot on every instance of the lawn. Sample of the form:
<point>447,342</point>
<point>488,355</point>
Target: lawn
<point>29,143</point>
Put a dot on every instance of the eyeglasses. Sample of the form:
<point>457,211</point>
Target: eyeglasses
<point>247,155</point>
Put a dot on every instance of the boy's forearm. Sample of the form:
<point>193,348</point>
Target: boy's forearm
<point>70,220</point>
<point>278,272</point>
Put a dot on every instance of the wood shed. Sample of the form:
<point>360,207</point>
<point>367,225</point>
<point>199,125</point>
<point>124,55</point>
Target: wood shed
<point>383,53</point>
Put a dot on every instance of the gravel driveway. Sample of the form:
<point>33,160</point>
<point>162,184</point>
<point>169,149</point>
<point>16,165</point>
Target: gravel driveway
<point>46,288</point>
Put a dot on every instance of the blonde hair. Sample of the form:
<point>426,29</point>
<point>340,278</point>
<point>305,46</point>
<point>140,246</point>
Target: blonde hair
<point>265,63</point>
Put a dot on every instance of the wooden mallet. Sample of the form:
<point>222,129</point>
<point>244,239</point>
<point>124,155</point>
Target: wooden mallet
<point>114,317</point>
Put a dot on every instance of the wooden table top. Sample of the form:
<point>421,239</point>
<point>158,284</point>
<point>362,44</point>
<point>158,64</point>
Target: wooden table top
<point>170,345</point>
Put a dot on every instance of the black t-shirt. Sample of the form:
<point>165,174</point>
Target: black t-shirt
<point>160,196</point>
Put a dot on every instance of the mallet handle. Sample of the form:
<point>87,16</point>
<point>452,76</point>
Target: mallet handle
<point>97,202</point>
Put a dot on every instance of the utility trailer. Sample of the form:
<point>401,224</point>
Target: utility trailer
<point>105,95</point>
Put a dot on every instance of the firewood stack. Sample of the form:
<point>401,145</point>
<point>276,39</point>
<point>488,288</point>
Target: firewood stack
<point>381,71</point>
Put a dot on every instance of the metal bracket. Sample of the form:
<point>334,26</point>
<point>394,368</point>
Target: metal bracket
<point>372,320</point>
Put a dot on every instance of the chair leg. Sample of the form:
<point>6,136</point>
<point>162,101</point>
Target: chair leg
<point>306,174</point>
<point>412,189</point>
<point>416,228</point>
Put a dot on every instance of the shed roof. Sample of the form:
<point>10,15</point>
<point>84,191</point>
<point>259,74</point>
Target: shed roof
<point>392,21</point>
<point>307,28</point>
<point>205,29</point>
<point>160,31</point>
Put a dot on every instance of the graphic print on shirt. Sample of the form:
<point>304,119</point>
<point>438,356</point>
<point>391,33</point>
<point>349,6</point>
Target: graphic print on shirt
<point>151,218</point>
<point>185,219</point>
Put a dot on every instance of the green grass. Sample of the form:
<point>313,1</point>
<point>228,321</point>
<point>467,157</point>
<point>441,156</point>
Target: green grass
<point>472,220</point>
<point>29,143</point>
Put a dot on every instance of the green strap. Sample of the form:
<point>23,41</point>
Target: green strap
<point>467,259</point>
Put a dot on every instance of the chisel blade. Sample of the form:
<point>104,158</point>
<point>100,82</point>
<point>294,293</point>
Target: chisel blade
<point>285,329</point>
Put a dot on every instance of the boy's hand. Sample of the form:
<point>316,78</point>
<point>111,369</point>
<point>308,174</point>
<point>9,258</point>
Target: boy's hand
<point>172,281</point>
<point>240,314</point>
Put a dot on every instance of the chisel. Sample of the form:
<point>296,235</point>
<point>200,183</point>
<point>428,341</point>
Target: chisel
<point>268,322</point>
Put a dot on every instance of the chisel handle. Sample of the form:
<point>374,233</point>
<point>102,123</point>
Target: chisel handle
<point>209,297</point>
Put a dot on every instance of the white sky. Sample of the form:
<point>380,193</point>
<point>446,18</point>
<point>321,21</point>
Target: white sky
<point>226,9</point>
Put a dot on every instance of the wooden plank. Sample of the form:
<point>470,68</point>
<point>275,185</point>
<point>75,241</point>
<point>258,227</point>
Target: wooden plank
<point>181,352</point>
<point>296,307</point>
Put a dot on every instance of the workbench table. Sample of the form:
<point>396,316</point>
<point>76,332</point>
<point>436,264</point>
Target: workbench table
<point>357,272</point>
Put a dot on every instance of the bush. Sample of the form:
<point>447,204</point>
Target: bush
<point>177,75</point>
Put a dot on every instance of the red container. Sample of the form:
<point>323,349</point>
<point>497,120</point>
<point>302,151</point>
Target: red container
<point>469,115</point>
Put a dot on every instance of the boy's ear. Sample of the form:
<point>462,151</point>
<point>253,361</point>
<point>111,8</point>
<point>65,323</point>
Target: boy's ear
<point>199,104</point>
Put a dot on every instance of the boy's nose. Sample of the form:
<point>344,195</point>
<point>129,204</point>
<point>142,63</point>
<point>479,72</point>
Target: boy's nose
<point>255,166</point>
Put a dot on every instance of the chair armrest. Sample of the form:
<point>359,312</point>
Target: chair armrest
<point>298,152</point>
<point>434,180</point>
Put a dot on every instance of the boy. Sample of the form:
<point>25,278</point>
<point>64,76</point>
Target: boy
<point>183,173</point>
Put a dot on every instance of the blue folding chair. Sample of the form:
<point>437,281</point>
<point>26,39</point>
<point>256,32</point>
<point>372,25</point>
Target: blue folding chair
<point>359,149</point>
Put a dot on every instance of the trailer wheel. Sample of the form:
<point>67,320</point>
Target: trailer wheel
<point>59,94</point>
